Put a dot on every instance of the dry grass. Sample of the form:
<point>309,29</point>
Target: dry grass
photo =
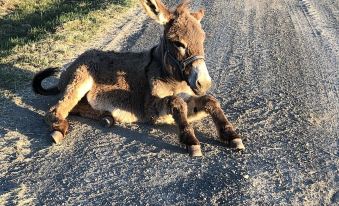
<point>7,6</point>
<point>35,34</point>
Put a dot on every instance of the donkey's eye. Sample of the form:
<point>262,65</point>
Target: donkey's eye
<point>178,44</point>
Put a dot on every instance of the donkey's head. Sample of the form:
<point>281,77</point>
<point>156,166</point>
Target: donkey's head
<point>182,43</point>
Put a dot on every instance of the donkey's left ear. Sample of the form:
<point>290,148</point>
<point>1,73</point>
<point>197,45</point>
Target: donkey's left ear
<point>199,14</point>
<point>156,10</point>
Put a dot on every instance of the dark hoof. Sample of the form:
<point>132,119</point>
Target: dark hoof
<point>194,150</point>
<point>57,137</point>
<point>237,144</point>
<point>107,121</point>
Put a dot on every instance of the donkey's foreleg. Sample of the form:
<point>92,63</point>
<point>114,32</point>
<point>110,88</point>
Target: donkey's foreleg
<point>177,107</point>
<point>79,85</point>
<point>225,129</point>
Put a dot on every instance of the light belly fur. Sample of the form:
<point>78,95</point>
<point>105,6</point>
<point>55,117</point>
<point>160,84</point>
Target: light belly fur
<point>119,115</point>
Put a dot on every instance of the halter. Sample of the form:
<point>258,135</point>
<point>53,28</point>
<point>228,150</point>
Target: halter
<point>181,65</point>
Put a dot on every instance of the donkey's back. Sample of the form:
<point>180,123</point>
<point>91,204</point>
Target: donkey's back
<point>107,67</point>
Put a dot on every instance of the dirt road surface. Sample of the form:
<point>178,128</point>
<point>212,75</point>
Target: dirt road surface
<point>275,71</point>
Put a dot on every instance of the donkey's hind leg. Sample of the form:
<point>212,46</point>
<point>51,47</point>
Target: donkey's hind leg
<point>210,105</point>
<point>80,83</point>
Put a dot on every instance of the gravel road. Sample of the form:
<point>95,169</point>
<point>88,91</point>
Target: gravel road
<point>275,71</point>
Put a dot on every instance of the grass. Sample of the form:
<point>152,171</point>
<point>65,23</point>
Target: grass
<point>35,34</point>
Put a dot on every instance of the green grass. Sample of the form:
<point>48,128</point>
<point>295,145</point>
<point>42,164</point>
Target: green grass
<point>39,33</point>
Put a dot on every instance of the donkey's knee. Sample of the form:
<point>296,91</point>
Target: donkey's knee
<point>177,107</point>
<point>175,103</point>
<point>209,104</point>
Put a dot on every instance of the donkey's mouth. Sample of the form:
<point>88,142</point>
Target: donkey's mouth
<point>199,81</point>
<point>198,92</point>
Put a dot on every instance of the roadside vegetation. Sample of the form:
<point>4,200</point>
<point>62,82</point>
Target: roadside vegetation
<point>35,34</point>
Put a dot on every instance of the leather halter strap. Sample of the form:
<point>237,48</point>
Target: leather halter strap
<point>180,65</point>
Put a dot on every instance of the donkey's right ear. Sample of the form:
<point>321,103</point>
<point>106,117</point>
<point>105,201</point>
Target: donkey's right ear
<point>156,10</point>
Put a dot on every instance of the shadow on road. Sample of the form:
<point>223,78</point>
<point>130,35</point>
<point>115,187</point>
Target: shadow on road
<point>21,111</point>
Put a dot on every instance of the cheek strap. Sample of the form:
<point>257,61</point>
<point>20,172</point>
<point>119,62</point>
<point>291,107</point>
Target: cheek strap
<point>181,65</point>
<point>190,60</point>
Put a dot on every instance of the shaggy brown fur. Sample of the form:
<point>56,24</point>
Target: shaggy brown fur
<point>143,87</point>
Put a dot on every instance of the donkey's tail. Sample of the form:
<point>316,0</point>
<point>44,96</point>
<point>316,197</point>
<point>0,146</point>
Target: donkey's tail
<point>39,77</point>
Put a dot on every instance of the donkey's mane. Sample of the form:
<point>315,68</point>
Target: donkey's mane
<point>183,6</point>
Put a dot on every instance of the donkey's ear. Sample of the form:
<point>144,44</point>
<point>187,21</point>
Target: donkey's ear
<point>199,14</point>
<point>156,10</point>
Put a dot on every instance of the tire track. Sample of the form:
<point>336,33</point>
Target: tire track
<point>327,65</point>
<point>324,27</point>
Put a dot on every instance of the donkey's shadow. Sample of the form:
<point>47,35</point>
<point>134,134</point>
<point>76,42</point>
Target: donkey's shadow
<point>144,134</point>
<point>21,112</point>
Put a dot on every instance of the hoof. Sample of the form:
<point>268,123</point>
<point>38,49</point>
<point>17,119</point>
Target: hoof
<point>194,150</point>
<point>237,144</point>
<point>57,137</point>
<point>107,121</point>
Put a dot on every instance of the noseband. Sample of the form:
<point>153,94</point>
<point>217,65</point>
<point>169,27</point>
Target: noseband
<point>180,65</point>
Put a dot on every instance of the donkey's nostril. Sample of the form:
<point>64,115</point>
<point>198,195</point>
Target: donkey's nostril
<point>198,84</point>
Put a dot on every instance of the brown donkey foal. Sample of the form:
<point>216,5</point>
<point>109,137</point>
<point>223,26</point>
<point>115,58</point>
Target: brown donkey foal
<point>167,84</point>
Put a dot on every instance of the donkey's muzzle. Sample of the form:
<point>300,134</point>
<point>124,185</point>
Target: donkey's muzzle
<point>201,87</point>
<point>199,79</point>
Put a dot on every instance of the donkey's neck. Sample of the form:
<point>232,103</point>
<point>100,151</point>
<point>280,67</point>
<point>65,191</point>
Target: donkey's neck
<point>161,79</point>
<point>166,70</point>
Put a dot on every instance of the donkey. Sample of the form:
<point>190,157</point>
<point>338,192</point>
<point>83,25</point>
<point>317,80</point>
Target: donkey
<point>166,84</point>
